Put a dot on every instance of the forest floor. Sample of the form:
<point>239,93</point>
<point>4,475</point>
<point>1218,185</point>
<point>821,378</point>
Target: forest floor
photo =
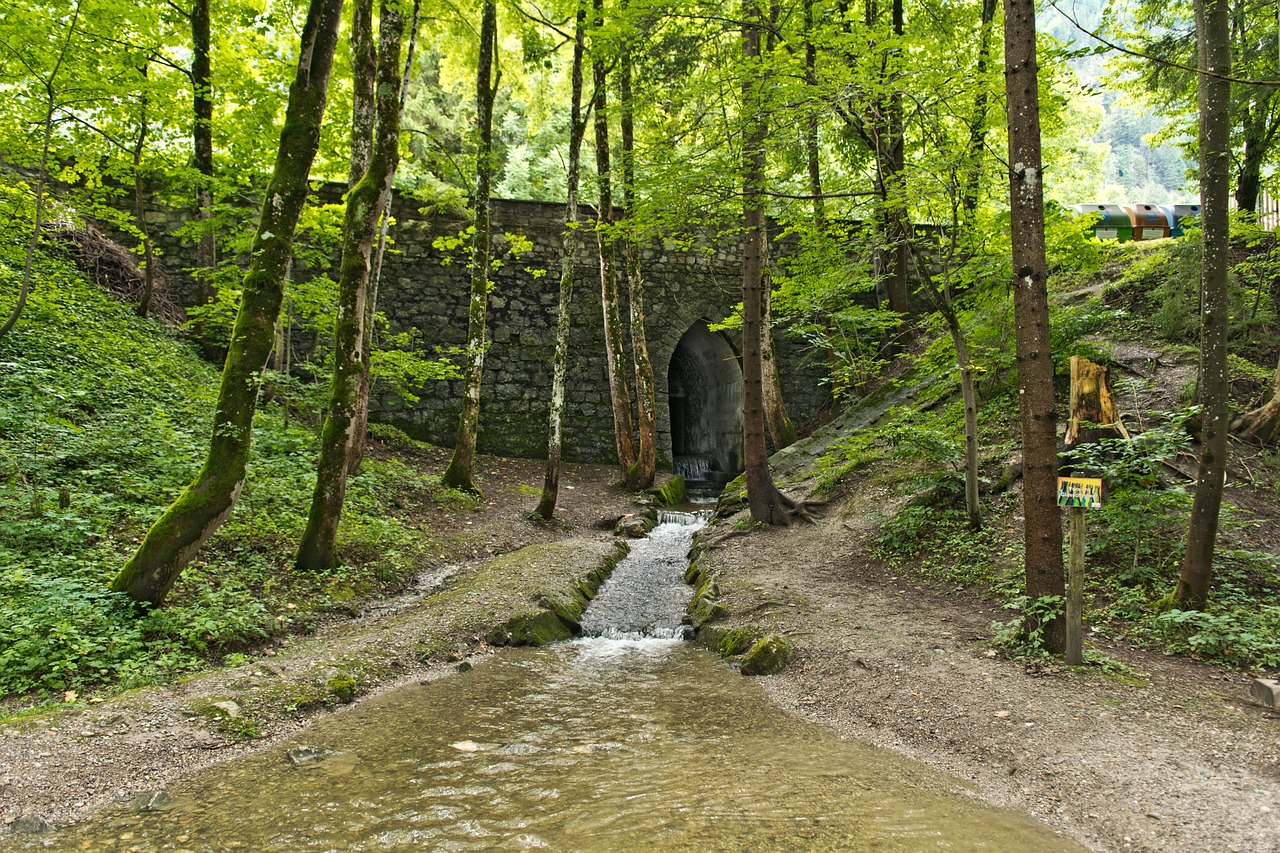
<point>1152,753</point>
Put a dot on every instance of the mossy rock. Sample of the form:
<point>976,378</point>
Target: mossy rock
<point>770,654</point>
<point>538,628</point>
<point>739,641</point>
<point>670,493</point>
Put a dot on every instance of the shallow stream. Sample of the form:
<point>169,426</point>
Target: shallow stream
<point>608,743</point>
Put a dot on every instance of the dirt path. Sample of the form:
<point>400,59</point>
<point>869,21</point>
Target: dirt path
<point>1181,761</point>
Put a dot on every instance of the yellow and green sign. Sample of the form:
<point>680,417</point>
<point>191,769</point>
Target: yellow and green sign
<point>1080,491</point>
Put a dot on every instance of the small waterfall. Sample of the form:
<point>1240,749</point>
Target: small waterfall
<point>692,467</point>
<point>646,595</point>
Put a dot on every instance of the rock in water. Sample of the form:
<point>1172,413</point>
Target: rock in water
<point>300,756</point>
<point>31,824</point>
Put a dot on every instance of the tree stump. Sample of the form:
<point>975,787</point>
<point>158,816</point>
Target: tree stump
<point>1093,408</point>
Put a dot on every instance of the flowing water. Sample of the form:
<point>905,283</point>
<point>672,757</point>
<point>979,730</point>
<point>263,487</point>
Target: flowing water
<point>614,742</point>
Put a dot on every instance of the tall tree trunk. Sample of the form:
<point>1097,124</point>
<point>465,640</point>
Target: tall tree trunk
<point>646,394</point>
<point>361,429</point>
<point>555,414</point>
<point>1042,528</point>
<point>1214,49</point>
<point>616,356</point>
<point>978,127</point>
<point>202,144</point>
<point>811,123</point>
<point>459,475</point>
<point>379,147</point>
<point>202,507</point>
<point>139,209</point>
<point>763,496</point>
<point>781,430</point>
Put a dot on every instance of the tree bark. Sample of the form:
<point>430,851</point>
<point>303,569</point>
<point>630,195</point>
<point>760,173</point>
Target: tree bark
<point>379,148</point>
<point>1214,50</point>
<point>202,507</point>
<point>811,123</point>
<point>978,127</point>
<point>555,415</point>
<point>763,497</point>
<point>616,357</point>
<point>1042,527</point>
<point>459,474</point>
<point>202,143</point>
<point>646,394</point>
<point>361,429</point>
<point>781,430</point>
<point>139,210</point>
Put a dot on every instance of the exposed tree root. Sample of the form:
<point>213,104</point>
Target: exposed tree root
<point>1261,426</point>
<point>802,510</point>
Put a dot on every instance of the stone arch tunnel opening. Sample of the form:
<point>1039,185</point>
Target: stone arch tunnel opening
<point>704,394</point>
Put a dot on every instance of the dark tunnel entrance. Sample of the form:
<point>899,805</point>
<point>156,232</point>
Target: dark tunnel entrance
<point>704,393</point>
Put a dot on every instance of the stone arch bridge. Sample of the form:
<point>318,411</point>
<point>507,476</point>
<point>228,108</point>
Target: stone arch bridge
<point>697,372</point>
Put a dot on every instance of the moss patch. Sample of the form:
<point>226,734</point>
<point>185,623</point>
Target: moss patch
<point>769,655</point>
<point>670,493</point>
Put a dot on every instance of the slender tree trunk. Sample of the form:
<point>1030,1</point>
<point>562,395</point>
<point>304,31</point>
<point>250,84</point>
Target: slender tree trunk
<point>781,430</point>
<point>202,144</point>
<point>811,123</point>
<point>1042,527</point>
<point>139,210</point>
<point>646,394</point>
<point>616,356</point>
<point>379,147</point>
<point>459,474</point>
<point>978,127</point>
<point>763,496</point>
<point>202,507</point>
<point>42,176</point>
<point>555,415</point>
<point>1214,49</point>
<point>942,302</point>
<point>361,429</point>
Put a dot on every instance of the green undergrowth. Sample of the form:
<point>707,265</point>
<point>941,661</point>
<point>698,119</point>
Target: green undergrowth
<point>911,458</point>
<point>103,419</point>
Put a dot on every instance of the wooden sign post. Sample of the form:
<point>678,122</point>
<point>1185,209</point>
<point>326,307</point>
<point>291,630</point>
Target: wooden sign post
<point>1076,494</point>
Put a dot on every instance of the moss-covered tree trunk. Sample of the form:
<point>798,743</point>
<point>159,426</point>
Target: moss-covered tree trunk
<point>763,496</point>
<point>646,394</point>
<point>555,415</point>
<point>202,507</point>
<point>361,429</point>
<point>615,354</point>
<point>1042,527</point>
<point>375,141</point>
<point>458,475</point>
<point>1214,95</point>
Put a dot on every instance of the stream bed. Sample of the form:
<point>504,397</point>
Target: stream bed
<point>608,743</point>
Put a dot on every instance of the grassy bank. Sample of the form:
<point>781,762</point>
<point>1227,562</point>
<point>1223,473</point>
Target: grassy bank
<point>103,419</point>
